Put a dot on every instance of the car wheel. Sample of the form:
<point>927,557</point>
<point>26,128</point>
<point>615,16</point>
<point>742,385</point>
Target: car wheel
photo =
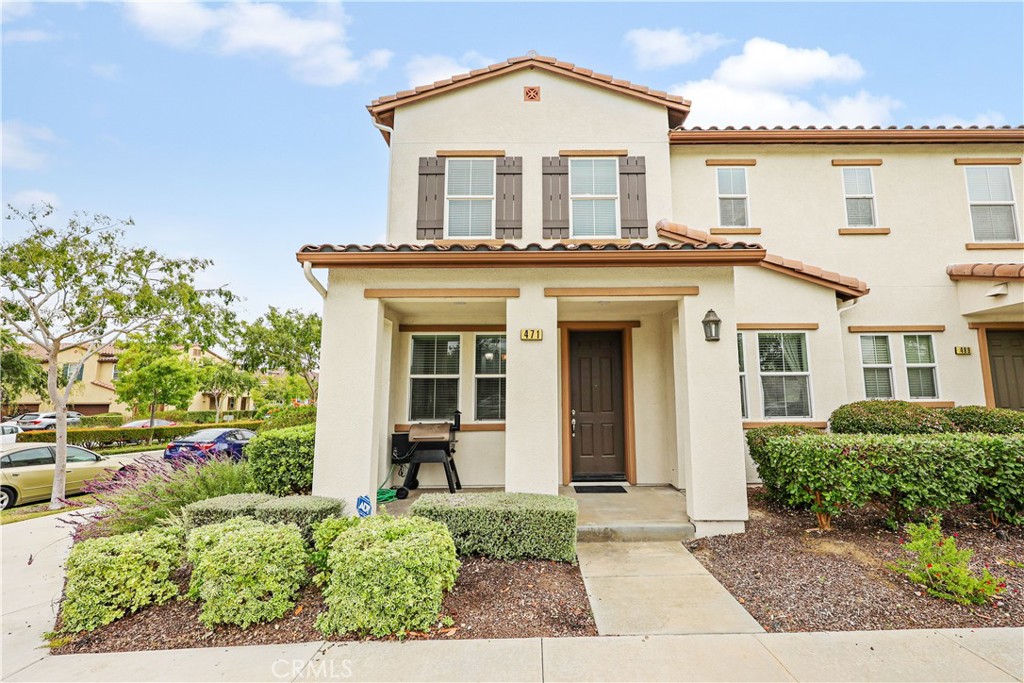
<point>8,497</point>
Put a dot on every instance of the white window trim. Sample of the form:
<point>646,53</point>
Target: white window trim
<point>875,222</point>
<point>1012,204</point>
<point>744,389</point>
<point>745,197</point>
<point>457,377</point>
<point>934,365</point>
<point>493,197</point>
<point>878,366</point>
<point>477,375</point>
<point>810,385</point>
<point>618,217</point>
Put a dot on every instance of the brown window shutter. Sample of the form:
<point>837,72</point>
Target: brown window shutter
<point>633,197</point>
<point>556,197</point>
<point>508,210</point>
<point>430,208</point>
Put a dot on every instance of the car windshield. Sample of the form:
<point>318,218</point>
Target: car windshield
<point>29,416</point>
<point>202,435</point>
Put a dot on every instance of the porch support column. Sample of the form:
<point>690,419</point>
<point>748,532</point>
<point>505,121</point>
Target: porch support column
<point>347,429</point>
<point>709,433</point>
<point>532,462</point>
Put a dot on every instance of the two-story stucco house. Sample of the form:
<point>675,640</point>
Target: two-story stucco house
<point>557,239</point>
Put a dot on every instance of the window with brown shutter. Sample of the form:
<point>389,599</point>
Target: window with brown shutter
<point>430,200</point>
<point>556,197</point>
<point>632,198</point>
<point>508,212</point>
<point>507,198</point>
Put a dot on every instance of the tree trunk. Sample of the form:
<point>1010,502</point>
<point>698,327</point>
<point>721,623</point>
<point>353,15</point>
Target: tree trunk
<point>60,407</point>
<point>152,419</point>
<point>216,399</point>
<point>313,386</point>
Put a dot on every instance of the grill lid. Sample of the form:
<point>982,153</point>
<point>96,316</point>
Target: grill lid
<point>434,431</point>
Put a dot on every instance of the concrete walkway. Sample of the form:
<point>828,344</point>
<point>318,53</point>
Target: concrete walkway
<point>30,591</point>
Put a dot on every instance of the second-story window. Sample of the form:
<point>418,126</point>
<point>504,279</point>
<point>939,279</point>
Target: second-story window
<point>732,198</point>
<point>470,198</point>
<point>990,192</point>
<point>860,197</point>
<point>594,197</point>
<point>77,369</point>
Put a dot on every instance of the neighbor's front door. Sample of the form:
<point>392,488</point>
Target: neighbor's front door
<point>596,409</point>
<point>1006,354</point>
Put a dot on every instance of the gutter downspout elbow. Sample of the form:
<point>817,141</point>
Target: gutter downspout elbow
<point>307,270</point>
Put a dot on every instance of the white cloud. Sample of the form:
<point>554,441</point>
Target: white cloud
<point>425,69</point>
<point>14,10</point>
<point>988,118</point>
<point>29,35</point>
<point>26,198</point>
<point>19,145</point>
<point>754,88</point>
<point>314,46</point>
<point>110,72</point>
<point>660,48</point>
<point>766,64</point>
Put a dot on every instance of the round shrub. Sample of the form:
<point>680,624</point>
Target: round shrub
<point>388,575</point>
<point>756,441</point>
<point>282,460</point>
<point>292,416</point>
<point>110,577</point>
<point>324,535</point>
<point>889,417</point>
<point>221,509</point>
<point>303,511</point>
<point>246,572</point>
<point>988,420</point>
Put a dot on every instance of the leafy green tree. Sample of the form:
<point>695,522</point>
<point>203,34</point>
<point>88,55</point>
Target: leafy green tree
<point>219,379</point>
<point>154,373</point>
<point>279,391</point>
<point>83,285</point>
<point>288,340</point>
<point>19,372</point>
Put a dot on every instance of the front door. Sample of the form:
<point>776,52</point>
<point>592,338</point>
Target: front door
<point>1006,356</point>
<point>596,406</point>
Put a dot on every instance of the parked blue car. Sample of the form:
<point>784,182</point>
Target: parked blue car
<point>207,442</point>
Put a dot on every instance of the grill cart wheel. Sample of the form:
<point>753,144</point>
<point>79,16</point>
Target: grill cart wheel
<point>401,493</point>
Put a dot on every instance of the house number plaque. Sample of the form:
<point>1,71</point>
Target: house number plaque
<point>531,335</point>
<point>962,350</point>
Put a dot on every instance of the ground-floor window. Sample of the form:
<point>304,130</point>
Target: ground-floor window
<point>434,377</point>
<point>876,359</point>
<point>743,376</point>
<point>785,374</point>
<point>920,353</point>
<point>491,352</point>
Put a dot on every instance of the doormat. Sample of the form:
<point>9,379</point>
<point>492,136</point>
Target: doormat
<point>599,489</point>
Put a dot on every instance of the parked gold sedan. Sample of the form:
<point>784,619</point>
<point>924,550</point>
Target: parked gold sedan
<point>26,471</point>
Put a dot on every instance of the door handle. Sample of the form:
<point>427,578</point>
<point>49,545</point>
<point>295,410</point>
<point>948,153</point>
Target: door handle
<point>573,423</point>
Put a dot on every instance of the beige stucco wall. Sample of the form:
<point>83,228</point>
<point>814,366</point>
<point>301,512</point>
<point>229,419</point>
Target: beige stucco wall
<point>493,115</point>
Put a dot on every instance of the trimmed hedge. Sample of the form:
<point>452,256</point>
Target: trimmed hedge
<point>110,577</point>
<point>282,459</point>
<point>305,512</point>
<point>756,439</point>
<point>203,416</point>
<point>325,533</point>
<point>902,473</point>
<point>388,575</point>
<point>221,509</point>
<point>506,526</point>
<point>889,417</point>
<point>103,420</point>
<point>292,416</point>
<point>118,435</point>
<point>988,420</point>
<point>245,571</point>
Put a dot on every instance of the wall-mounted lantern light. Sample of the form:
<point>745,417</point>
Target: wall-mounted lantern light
<point>712,324</point>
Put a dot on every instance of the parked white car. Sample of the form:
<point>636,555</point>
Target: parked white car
<point>8,434</point>
<point>31,421</point>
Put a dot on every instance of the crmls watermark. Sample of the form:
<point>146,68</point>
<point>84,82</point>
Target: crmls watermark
<point>309,670</point>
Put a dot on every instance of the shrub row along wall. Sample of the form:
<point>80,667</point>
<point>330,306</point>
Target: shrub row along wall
<point>903,417</point>
<point>200,416</point>
<point>291,416</point>
<point>903,473</point>
<point>112,435</point>
<point>104,420</point>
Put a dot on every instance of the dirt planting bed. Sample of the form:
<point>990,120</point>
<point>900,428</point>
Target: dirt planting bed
<point>790,577</point>
<point>491,599</point>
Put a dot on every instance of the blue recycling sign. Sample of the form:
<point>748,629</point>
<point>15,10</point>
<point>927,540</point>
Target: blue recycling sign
<point>363,506</point>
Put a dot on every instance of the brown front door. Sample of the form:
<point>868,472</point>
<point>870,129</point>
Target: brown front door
<point>1006,356</point>
<point>596,405</point>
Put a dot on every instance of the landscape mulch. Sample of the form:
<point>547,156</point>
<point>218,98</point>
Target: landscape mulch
<point>491,599</point>
<point>790,577</point>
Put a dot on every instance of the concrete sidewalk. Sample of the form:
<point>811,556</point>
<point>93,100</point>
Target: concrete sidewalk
<point>30,592</point>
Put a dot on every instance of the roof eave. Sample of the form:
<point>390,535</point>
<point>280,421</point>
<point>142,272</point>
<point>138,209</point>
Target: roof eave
<point>847,136</point>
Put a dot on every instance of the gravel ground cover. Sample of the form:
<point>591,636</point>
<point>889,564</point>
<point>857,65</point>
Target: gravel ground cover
<point>790,577</point>
<point>491,599</point>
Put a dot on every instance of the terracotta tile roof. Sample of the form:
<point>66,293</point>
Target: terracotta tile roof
<point>985,271</point>
<point>105,385</point>
<point>380,107</point>
<point>846,287</point>
<point>107,354</point>
<point>846,134</point>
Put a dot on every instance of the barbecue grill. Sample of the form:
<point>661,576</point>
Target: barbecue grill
<point>426,442</point>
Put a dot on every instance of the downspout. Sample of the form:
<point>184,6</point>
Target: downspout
<point>307,270</point>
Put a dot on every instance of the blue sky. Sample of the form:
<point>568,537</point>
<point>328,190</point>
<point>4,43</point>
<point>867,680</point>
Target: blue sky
<point>238,132</point>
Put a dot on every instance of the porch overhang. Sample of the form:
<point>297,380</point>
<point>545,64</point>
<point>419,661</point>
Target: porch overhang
<point>558,255</point>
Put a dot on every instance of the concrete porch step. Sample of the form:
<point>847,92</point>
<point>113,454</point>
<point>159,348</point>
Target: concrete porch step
<point>638,532</point>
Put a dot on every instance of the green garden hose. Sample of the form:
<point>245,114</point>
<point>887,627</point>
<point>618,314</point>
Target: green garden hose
<point>386,495</point>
